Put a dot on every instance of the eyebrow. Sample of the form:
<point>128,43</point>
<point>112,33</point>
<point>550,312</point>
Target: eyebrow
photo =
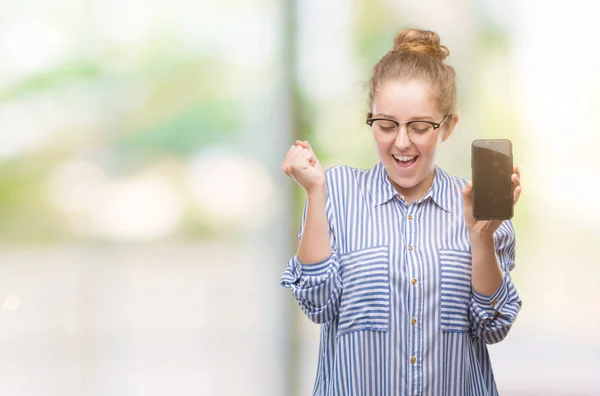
<point>381,115</point>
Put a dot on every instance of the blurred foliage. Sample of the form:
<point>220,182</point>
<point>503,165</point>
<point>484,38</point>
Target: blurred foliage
<point>375,29</point>
<point>165,105</point>
<point>181,134</point>
<point>25,215</point>
<point>52,80</point>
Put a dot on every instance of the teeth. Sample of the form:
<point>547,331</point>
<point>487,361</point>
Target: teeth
<point>404,158</point>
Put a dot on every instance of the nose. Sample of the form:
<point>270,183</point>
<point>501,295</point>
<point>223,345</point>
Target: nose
<point>402,140</point>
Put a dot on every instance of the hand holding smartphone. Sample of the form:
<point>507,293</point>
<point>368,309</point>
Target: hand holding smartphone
<point>492,168</point>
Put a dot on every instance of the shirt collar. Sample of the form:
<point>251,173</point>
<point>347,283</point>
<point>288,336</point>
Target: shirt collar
<point>382,190</point>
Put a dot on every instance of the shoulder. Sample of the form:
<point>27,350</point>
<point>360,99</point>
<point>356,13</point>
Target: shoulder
<point>345,176</point>
<point>344,181</point>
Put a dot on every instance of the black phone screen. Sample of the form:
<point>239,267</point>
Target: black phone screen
<point>491,164</point>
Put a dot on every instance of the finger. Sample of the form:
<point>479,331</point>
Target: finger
<point>314,159</point>
<point>295,153</point>
<point>517,193</point>
<point>516,170</point>
<point>289,159</point>
<point>286,160</point>
<point>303,144</point>
<point>467,192</point>
<point>289,151</point>
<point>311,158</point>
<point>306,145</point>
<point>516,180</point>
<point>298,159</point>
<point>304,151</point>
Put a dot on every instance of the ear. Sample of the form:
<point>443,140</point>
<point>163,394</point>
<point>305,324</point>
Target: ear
<point>449,127</point>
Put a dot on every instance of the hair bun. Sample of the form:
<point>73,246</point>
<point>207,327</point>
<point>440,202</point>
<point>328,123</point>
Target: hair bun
<point>423,41</point>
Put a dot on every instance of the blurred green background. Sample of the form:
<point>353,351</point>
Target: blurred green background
<point>144,221</point>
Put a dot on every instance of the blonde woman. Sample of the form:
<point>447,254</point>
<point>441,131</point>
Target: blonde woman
<point>408,287</point>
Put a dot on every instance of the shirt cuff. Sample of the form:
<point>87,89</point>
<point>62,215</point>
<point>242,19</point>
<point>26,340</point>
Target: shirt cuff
<point>309,274</point>
<point>494,302</point>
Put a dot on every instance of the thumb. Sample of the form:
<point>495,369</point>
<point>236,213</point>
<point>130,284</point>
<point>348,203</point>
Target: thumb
<point>467,193</point>
<point>303,144</point>
<point>314,156</point>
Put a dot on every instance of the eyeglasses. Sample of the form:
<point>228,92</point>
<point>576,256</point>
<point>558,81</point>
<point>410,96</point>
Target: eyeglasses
<point>419,132</point>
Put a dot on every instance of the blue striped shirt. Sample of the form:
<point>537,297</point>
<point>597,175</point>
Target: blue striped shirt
<point>397,310</point>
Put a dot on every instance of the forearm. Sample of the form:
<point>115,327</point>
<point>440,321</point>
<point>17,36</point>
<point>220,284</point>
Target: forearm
<point>486,274</point>
<point>495,302</point>
<point>315,245</point>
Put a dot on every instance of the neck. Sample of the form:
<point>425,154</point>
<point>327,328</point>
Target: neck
<point>415,193</point>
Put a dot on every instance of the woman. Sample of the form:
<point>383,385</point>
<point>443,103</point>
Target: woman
<point>409,288</point>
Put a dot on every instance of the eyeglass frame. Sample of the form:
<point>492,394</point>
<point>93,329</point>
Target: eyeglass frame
<point>435,125</point>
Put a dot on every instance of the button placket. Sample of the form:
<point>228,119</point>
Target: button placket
<point>409,227</point>
<point>410,231</point>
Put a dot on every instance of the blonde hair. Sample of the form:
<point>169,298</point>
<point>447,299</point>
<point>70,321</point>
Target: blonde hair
<point>418,54</point>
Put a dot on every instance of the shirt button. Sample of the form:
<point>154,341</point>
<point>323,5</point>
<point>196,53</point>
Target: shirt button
<point>410,217</point>
<point>410,247</point>
<point>413,360</point>
<point>413,322</point>
<point>414,281</point>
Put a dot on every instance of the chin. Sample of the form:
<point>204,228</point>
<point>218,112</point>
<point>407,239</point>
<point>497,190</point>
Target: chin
<point>407,178</point>
<point>406,182</point>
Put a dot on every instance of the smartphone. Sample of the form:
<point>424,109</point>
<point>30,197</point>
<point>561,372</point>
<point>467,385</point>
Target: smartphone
<point>492,167</point>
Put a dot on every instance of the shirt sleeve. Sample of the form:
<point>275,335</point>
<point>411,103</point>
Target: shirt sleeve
<point>492,316</point>
<point>316,287</point>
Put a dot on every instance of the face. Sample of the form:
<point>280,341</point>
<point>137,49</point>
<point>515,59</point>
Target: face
<point>410,166</point>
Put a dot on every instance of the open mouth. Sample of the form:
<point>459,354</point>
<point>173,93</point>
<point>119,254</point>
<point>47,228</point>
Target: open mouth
<point>405,160</point>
